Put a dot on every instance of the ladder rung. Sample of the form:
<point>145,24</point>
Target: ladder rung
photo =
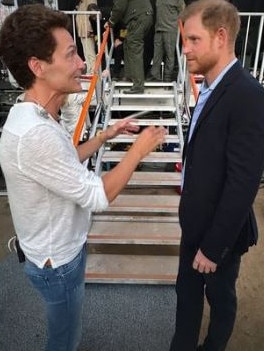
<point>145,204</point>
<point>131,269</point>
<point>155,178</point>
<point>138,233</point>
<point>147,84</point>
<point>124,138</point>
<point>150,122</point>
<point>172,218</point>
<point>166,157</point>
<point>145,95</point>
<point>137,107</point>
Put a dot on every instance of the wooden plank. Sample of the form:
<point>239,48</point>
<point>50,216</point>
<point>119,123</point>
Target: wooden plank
<point>145,203</point>
<point>147,95</point>
<point>125,138</point>
<point>147,84</point>
<point>138,107</point>
<point>166,157</point>
<point>168,218</point>
<point>150,122</point>
<point>155,178</point>
<point>149,233</point>
<point>131,269</point>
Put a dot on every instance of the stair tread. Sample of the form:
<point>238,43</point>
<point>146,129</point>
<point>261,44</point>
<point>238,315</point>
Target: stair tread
<point>151,122</point>
<point>116,156</point>
<point>151,233</point>
<point>147,84</point>
<point>125,138</point>
<point>146,95</point>
<point>155,178</point>
<point>131,269</point>
<point>136,107</point>
<point>144,203</point>
<point>169,218</point>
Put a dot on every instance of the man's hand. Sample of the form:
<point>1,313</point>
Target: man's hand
<point>202,264</point>
<point>117,42</point>
<point>106,25</point>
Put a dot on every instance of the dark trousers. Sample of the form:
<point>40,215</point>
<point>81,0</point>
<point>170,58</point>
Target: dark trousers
<point>219,289</point>
<point>118,57</point>
<point>137,30</point>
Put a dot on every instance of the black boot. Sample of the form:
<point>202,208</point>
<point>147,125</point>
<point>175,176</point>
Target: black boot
<point>134,90</point>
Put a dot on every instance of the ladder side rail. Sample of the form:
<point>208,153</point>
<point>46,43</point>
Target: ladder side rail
<point>257,52</point>
<point>88,99</point>
<point>109,52</point>
<point>96,120</point>
<point>261,70</point>
<point>257,56</point>
<point>180,61</point>
<point>178,116</point>
<point>106,78</point>
<point>98,165</point>
<point>191,76</point>
<point>244,49</point>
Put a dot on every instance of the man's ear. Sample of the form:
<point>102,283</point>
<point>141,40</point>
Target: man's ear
<point>222,36</point>
<point>36,66</point>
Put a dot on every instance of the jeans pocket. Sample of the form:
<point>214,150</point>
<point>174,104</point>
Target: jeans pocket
<point>38,278</point>
<point>73,272</point>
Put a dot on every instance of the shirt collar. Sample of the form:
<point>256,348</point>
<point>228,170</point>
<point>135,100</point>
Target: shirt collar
<point>204,87</point>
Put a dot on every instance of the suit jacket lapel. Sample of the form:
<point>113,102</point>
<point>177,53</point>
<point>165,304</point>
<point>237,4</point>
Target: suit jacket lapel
<point>220,89</point>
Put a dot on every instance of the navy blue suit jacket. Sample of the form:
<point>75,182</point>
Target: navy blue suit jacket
<point>224,162</point>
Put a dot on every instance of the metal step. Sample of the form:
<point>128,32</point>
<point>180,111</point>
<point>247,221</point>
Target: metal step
<point>136,239</point>
<point>125,138</point>
<point>151,122</point>
<point>155,178</point>
<point>166,157</point>
<point>127,233</point>
<point>137,107</point>
<point>145,95</point>
<point>145,204</point>
<point>146,84</point>
<point>167,218</point>
<point>131,269</point>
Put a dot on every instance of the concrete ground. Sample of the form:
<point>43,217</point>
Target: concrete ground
<point>248,332</point>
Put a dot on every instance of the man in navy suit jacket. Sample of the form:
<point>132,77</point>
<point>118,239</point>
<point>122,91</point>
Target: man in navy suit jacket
<point>223,162</point>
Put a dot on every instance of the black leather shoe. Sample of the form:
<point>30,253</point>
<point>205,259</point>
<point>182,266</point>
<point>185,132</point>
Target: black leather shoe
<point>200,348</point>
<point>134,91</point>
<point>126,79</point>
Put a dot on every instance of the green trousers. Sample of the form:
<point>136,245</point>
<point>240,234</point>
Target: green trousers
<point>137,29</point>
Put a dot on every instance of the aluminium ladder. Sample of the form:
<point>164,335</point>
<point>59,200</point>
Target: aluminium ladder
<point>136,239</point>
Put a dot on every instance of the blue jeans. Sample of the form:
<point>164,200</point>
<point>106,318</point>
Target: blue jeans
<point>62,290</point>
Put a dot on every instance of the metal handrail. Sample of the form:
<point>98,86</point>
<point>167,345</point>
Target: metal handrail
<point>87,102</point>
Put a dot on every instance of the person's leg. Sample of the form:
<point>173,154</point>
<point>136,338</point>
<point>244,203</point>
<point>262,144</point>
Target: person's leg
<point>190,303</point>
<point>158,56</point>
<point>62,290</point>
<point>134,49</point>
<point>118,57</point>
<point>89,53</point>
<point>221,295</point>
<point>148,49</point>
<point>169,39</point>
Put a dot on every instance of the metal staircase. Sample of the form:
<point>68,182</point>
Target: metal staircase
<point>136,239</point>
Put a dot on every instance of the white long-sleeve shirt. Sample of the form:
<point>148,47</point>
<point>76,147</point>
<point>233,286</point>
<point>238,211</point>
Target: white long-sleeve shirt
<point>51,194</point>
